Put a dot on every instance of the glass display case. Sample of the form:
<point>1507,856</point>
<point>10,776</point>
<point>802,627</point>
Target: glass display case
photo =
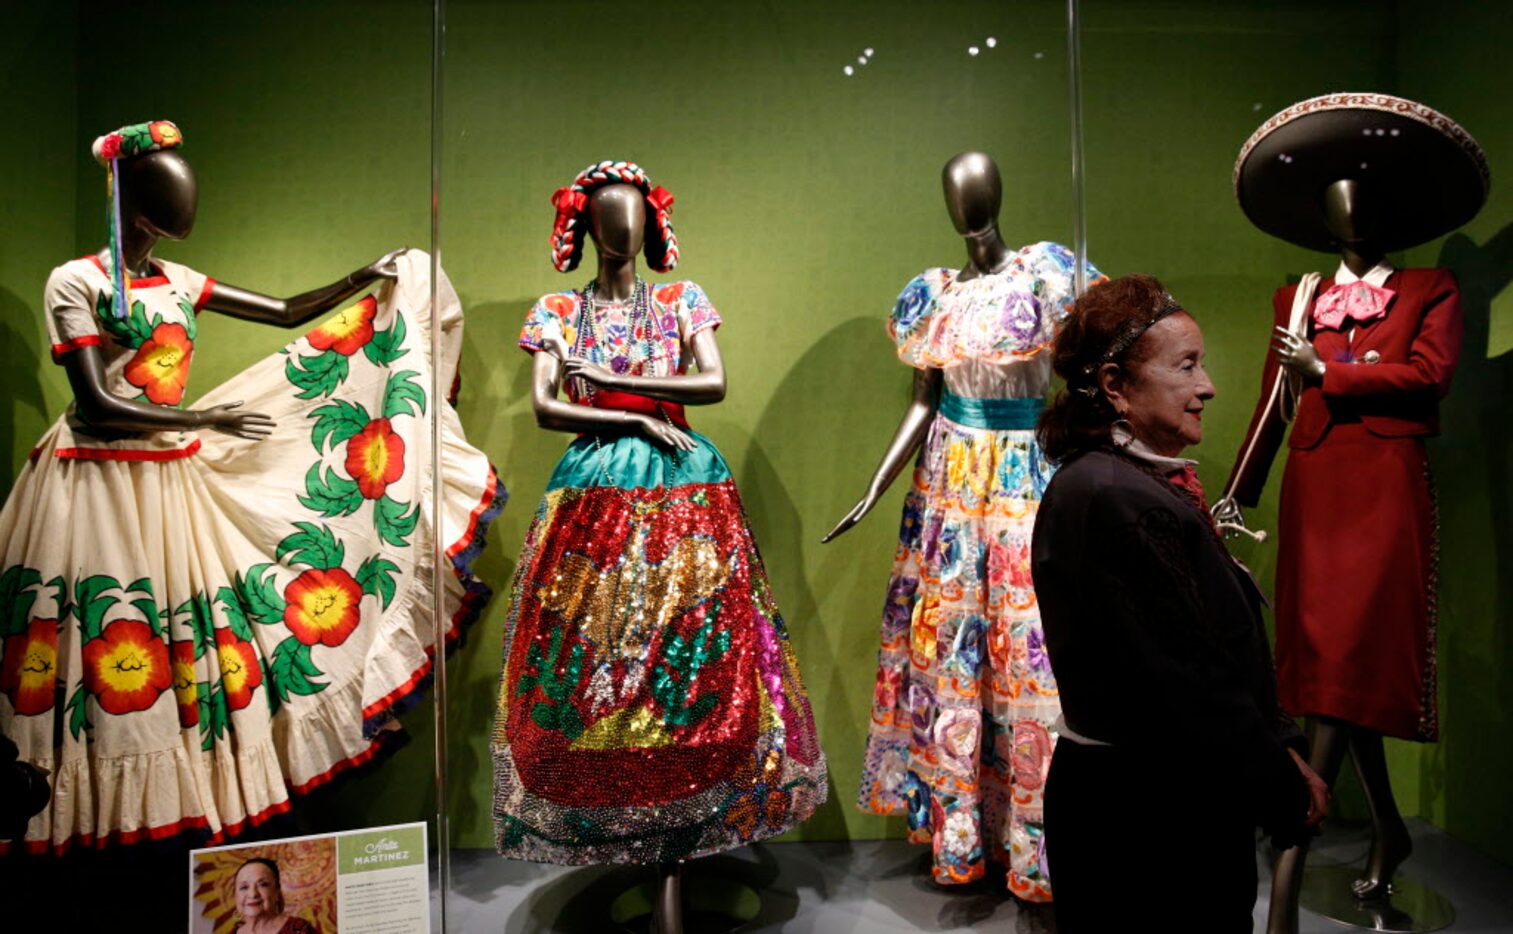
<point>238,628</point>
<point>1172,92</point>
<point>804,147</point>
<point>806,157</point>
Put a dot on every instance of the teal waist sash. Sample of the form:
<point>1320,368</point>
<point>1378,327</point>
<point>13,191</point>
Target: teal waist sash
<point>996,414</point>
<point>632,461</point>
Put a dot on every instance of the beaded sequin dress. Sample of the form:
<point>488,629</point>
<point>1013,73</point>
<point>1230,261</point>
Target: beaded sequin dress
<point>964,702</point>
<point>650,707</point>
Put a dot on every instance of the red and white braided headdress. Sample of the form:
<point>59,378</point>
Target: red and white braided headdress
<point>570,229</point>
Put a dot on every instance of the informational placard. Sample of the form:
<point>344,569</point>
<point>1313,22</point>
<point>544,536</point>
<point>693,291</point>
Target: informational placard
<point>369,881</point>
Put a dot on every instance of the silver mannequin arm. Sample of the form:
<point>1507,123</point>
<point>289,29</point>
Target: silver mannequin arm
<point>705,387</point>
<point>911,432</point>
<point>102,410</point>
<point>554,414</point>
<point>289,312</point>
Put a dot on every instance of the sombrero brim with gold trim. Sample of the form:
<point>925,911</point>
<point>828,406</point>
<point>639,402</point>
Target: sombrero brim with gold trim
<point>1432,173</point>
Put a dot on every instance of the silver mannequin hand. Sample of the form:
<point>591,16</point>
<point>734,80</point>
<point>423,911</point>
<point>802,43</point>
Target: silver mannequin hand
<point>1297,355</point>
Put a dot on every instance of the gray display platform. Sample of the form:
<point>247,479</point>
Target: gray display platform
<point>865,887</point>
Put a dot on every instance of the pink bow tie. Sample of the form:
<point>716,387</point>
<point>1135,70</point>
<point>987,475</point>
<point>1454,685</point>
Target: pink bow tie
<point>1357,300</point>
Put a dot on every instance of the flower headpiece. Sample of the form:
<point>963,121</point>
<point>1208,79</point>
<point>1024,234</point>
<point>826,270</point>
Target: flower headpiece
<point>108,150</point>
<point>572,204</point>
<point>137,139</point>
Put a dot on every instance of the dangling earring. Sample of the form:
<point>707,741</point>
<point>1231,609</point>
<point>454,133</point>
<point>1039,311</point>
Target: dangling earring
<point>1121,432</point>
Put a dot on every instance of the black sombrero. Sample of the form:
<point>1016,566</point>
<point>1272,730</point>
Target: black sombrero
<point>1435,170</point>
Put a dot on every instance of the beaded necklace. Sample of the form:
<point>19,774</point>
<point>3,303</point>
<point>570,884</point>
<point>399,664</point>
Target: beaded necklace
<point>588,334</point>
<point>588,327</point>
<point>628,636</point>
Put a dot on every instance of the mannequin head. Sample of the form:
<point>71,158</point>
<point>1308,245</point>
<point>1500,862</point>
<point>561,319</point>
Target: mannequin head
<point>974,192</point>
<point>617,221</point>
<point>159,195</point>
<point>1353,216</point>
<point>615,204</point>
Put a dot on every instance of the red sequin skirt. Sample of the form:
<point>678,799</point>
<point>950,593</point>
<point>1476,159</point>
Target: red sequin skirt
<point>651,707</point>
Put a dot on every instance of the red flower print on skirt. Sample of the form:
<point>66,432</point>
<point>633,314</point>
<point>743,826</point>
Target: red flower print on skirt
<point>127,667</point>
<point>376,458</point>
<point>323,606</point>
<point>348,331</point>
<point>31,667</point>
<point>1032,754</point>
<point>240,672</point>
<point>186,690</point>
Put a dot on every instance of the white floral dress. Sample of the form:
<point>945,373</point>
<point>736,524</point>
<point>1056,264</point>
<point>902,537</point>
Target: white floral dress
<point>965,700</point>
<point>196,626</point>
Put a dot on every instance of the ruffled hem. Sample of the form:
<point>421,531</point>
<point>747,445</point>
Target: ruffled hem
<point>188,833</point>
<point>649,838</point>
<point>462,554</point>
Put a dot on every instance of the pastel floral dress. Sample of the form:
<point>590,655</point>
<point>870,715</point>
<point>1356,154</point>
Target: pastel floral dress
<point>196,627</point>
<point>965,701</point>
<point>650,707</point>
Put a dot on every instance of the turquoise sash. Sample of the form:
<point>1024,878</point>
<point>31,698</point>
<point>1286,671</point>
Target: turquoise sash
<point>996,414</point>
<point>633,461</point>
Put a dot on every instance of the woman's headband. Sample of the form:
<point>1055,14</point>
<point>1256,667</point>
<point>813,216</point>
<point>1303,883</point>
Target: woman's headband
<point>1128,335</point>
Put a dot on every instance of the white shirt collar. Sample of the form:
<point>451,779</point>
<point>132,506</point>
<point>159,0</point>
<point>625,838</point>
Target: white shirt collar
<point>1141,450</point>
<point>1376,276</point>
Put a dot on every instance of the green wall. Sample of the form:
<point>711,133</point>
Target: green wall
<point>1172,89</point>
<point>806,199</point>
<point>1455,56</point>
<point>37,201</point>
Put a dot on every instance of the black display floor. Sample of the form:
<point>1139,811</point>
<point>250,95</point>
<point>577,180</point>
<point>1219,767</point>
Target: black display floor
<point>839,888</point>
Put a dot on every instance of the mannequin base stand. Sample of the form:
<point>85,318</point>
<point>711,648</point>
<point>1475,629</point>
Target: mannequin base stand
<point>1411,908</point>
<point>706,905</point>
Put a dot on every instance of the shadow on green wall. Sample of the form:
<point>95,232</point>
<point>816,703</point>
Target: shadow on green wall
<point>26,408</point>
<point>824,392</point>
<point>1474,471</point>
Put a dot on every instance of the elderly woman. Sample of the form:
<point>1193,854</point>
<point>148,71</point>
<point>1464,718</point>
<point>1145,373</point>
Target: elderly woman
<point>260,901</point>
<point>1173,749</point>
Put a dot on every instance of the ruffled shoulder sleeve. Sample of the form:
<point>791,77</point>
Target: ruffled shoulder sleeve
<point>1054,268</point>
<point>688,301</point>
<point>909,324</point>
<point>554,317</point>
